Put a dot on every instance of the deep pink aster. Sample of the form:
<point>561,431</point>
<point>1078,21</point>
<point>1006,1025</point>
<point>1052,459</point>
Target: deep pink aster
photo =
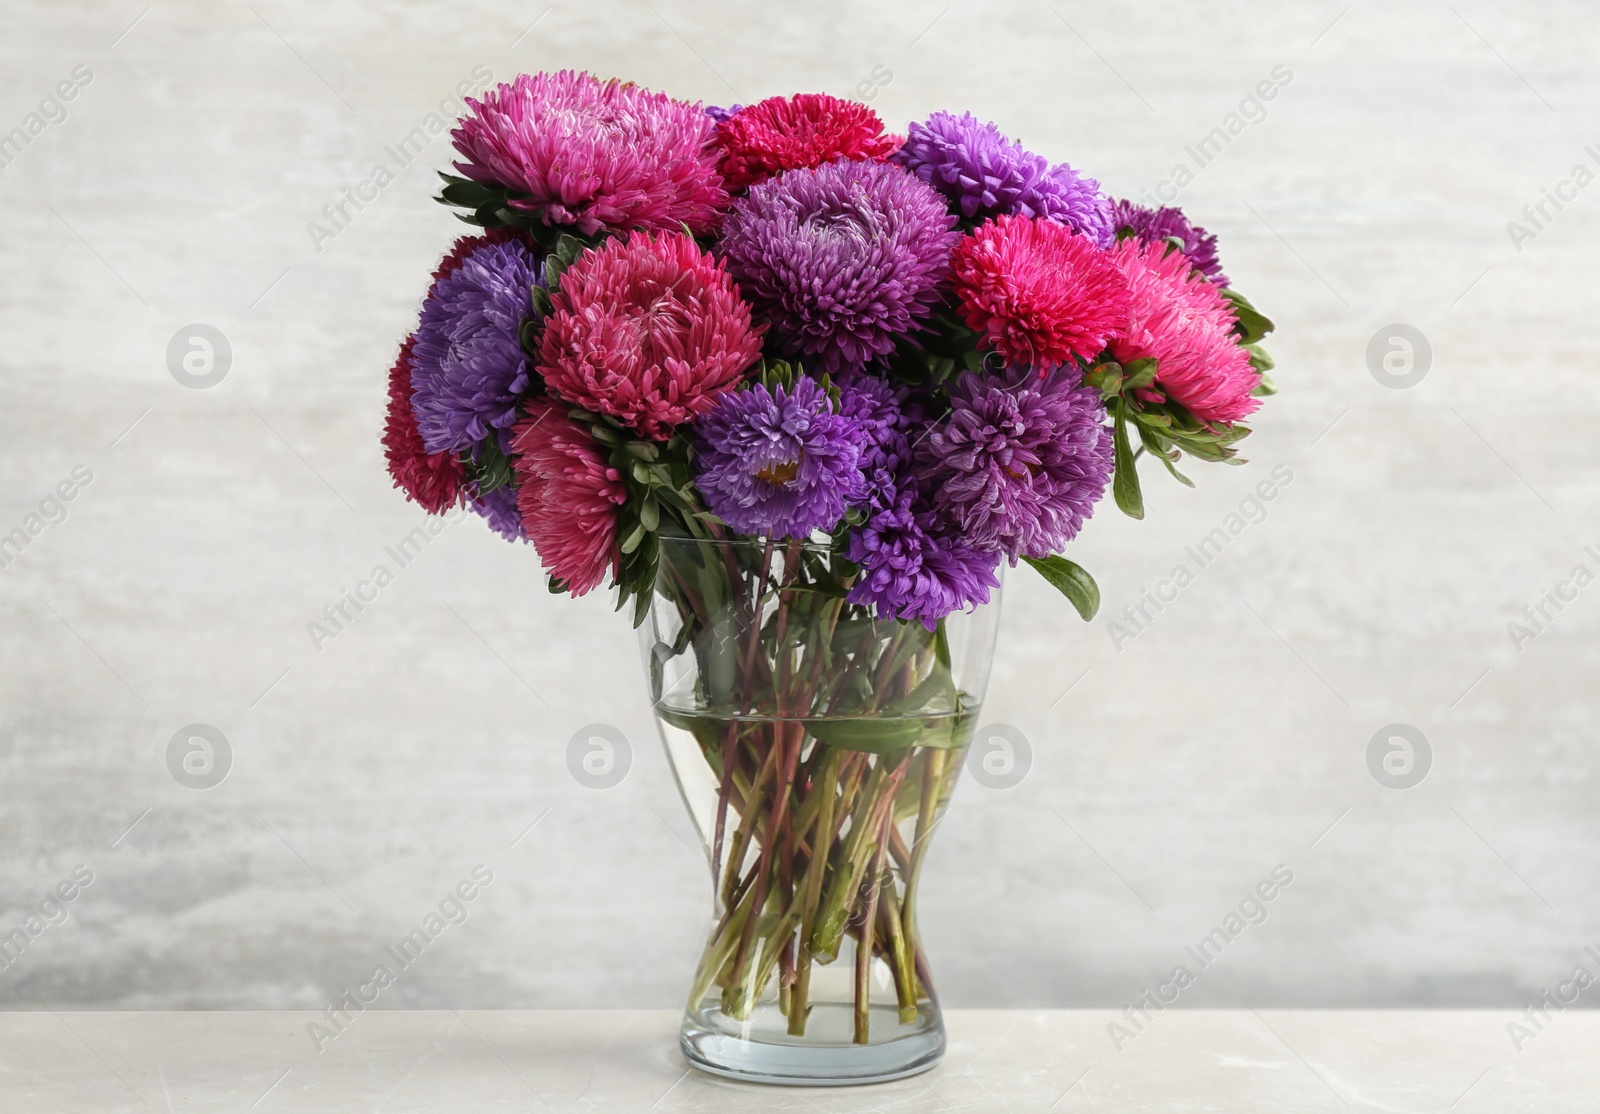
<point>1186,325</point>
<point>798,132</point>
<point>431,480</point>
<point>568,496</point>
<point>648,329</point>
<point>1037,292</point>
<point>595,154</point>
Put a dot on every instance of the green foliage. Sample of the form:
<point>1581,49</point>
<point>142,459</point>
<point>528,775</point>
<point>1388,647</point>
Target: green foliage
<point>1071,580</point>
<point>492,470</point>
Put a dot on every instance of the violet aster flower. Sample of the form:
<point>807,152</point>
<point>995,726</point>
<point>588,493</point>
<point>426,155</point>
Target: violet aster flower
<point>595,154</point>
<point>884,413</point>
<point>915,566</point>
<point>988,175</point>
<point>1167,223</point>
<point>719,114</point>
<point>467,367</point>
<point>843,258</point>
<point>1020,461</point>
<point>779,463</point>
<point>499,509</point>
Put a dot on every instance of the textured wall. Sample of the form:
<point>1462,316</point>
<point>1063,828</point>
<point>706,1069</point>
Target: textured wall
<point>1171,771</point>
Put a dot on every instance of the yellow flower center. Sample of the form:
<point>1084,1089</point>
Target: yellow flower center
<point>780,473</point>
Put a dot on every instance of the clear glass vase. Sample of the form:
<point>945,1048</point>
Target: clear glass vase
<point>816,748</point>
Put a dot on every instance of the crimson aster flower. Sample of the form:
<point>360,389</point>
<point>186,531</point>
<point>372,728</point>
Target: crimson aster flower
<point>792,133</point>
<point>1186,324</point>
<point>1037,292</point>
<point>843,258</point>
<point>1020,461</point>
<point>568,496</point>
<point>431,480</point>
<point>648,329</point>
<point>594,154</point>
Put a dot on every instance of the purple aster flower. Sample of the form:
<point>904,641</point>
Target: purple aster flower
<point>1020,461</point>
<point>499,509</point>
<point>988,174</point>
<point>1171,224</point>
<point>468,368</point>
<point>885,414</point>
<point>779,463</point>
<point>913,566</point>
<point>721,114</point>
<point>843,258</point>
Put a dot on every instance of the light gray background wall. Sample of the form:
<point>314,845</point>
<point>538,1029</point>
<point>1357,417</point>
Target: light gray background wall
<point>369,776</point>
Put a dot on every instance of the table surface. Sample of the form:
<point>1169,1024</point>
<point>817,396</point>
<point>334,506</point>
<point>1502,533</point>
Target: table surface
<point>1241,1060</point>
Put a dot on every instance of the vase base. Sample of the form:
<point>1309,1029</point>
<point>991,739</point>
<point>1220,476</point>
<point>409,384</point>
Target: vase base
<point>764,1053</point>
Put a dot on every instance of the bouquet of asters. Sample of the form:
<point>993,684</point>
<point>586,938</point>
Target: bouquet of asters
<point>797,388</point>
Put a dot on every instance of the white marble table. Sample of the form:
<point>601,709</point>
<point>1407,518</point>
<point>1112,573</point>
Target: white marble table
<point>411,1062</point>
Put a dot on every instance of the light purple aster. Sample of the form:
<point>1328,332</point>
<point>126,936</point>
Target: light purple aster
<point>468,368</point>
<point>721,114</point>
<point>1020,461</point>
<point>1167,223</point>
<point>913,565</point>
<point>499,509</point>
<point>779,463</point>
<point>988,174</point>
<point>842,258</point>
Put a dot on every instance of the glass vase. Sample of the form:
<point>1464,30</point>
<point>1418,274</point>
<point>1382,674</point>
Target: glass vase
<point>816,747</point>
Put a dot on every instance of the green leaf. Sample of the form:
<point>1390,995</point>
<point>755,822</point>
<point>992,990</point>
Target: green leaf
<point>871,735</point>
<point>492,470</point>
<point>1107,378</point>
<point>1253,324</point>
<point>1138,373</point>
<point>1071,580</point>
<point>1125,483</point>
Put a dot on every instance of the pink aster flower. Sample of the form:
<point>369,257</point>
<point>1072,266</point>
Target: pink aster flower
<point>595,154</point>
<point>793,133</point>
<point>568,496</point>
<point>648,329</point>
<point>1186,325</point>
<point>1037,292</point>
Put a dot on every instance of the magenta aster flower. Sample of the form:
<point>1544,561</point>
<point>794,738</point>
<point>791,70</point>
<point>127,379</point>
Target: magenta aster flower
<point>1186,325</point>
<point>1037,292</point>
<point>988,175</point>
<point>1170,224</point>
<point>568,496</point>
<point>467,367</point>
<point>648,329</point>
<point>779,463</point>
<point>792,133</point>
<point>1020,461</point>
<point>594,154</point>
<point>843,258</point>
